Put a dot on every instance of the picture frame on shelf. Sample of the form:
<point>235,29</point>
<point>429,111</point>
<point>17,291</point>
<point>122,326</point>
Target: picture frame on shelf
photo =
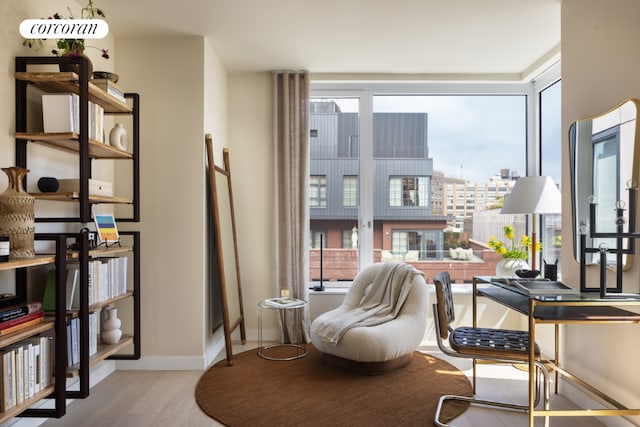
<point>106,228</point>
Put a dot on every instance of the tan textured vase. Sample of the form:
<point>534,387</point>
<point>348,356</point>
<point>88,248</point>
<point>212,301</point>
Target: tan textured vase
<point>16,214</point>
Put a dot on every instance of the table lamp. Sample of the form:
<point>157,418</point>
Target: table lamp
<point>533,195</point>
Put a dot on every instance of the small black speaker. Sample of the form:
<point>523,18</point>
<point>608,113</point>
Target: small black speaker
<point>48,184</point>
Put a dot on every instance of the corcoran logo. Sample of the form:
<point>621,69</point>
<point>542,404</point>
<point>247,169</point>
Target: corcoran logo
<point>64,28</point>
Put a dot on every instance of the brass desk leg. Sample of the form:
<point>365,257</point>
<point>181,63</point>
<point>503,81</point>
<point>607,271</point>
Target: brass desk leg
<point>475,324</point>
<point>557,354</point>
<point>532,340</point>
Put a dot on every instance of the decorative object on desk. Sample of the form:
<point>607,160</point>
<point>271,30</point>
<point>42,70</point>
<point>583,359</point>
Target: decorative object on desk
<point>551,270</point>
<point>507,267</point>
<point>118,137</point>
<point>534,195</point>
<point>528,274</point>
<point>48,184</point>
<point>514,254</point>
<point>111,332</point>
<point>16,214</point>
<point>609,242</point>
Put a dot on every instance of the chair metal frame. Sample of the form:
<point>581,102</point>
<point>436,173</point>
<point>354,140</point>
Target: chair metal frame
<point>442,282</point>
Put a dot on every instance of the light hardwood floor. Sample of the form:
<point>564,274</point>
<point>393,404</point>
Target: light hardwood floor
<point>166,398</point>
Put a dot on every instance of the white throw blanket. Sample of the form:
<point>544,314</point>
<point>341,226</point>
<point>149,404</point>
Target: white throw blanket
<point>381,302</point>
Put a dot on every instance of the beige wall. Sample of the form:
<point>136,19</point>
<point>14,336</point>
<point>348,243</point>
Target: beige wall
<point>168,73</point>
<point>250,134</point>
<point>600,69</point>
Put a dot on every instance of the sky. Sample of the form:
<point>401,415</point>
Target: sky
<point>472,137</point>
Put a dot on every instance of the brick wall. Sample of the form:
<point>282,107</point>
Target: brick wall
<point>342,264</point>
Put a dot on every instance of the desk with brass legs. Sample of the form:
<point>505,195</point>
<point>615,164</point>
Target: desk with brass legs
<point>557,308</point>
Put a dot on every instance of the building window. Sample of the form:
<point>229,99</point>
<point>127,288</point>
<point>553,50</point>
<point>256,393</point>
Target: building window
<point>318,191</point>
<point>317,236</point>
<point>408,191</point>
<point>417,245</point>
<point>350,191</point>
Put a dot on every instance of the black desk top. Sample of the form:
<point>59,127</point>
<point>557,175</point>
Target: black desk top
<point>559,313</point>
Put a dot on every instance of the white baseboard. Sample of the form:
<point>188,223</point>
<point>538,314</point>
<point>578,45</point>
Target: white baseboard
<point>163,364</point>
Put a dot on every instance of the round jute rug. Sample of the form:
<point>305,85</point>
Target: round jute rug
<point>308,392</point>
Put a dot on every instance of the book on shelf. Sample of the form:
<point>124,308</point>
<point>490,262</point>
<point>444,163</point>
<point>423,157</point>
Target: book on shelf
<point>8,324</point>
<point>284,302</point>
<point>73,292</point>
<point>25,370</point>
<point>75,340</point>
<point>19,310</point>
<point>21,326</point>
<point>110,87</point>
<point>61,114</point>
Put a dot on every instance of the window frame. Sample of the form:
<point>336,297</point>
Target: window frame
<point>365,91</point>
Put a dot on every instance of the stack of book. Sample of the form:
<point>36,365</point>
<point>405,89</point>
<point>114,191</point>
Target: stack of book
<point>110,87</point>
<point>73,337</point>
<point>25,369</point>
<point>61,113</point>
<point>18,317</point>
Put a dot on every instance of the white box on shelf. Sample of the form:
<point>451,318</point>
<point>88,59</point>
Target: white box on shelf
<point>96,187</point>
<point>60,112</point>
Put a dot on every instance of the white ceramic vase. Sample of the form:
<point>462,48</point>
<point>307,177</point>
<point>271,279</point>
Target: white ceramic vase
<point>118,137</point>
<point>111,332</point>
<point>507,267</point>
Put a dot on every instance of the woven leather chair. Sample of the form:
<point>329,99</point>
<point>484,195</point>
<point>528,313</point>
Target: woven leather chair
<point>496,345</point>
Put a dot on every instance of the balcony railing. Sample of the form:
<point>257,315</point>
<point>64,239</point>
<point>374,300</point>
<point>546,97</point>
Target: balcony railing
<point>342,264</point>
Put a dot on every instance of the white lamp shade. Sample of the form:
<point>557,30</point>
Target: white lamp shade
<point>533,195</point>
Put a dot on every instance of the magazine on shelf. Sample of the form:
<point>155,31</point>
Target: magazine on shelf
<point>283,302</point>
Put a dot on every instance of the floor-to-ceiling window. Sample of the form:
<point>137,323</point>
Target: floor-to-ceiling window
<point>415,172</point>
<point>550,165</point>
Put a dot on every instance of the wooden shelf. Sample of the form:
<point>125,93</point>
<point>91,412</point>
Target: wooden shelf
<point>75,196</point>
<point>100,304</point>
<point>14,337</point>
<point>67,82</point>
<point>102,252</point>
<point>4,416</point>
<point>104,351</point>
<point>70,141</point>
<point>27,262</point>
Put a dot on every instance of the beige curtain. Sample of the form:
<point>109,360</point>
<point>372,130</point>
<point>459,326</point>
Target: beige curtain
<point>291,216</point>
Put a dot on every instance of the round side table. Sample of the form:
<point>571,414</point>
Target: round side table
<point>281,305</point>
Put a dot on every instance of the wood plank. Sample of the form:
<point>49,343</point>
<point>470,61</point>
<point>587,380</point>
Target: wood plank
<point>104,351</point>
<point>26,333</point>
<point>75,196</point>
<point>12,412</point>
<point>67,82</point>
<point>27,262</point>
<point>70,142</point>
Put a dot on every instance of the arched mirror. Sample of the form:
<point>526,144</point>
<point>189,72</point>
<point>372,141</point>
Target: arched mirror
<point>223,248</point>
<point>604,160</point>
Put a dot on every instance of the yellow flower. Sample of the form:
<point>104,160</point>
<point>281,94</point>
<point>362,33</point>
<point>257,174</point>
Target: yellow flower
<point>516,249</point>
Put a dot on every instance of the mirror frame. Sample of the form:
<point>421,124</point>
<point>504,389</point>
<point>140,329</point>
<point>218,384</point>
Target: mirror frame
<point>576,181</point>
<point>226,248</point>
